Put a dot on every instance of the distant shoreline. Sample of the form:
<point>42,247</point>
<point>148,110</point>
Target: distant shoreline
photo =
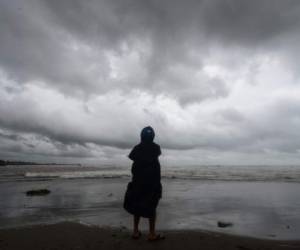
<point>7,163</point>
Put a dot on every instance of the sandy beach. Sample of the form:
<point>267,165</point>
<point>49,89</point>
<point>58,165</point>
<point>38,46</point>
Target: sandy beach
<point>87,213</point>
<point>77,236</point>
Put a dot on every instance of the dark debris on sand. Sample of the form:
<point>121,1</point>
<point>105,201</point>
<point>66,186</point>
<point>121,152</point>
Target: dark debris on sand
<point>38,192</point>
<point>224,224</point>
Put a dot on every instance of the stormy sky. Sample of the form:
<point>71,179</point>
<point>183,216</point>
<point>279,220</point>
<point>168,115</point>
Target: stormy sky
<point>218,80</point>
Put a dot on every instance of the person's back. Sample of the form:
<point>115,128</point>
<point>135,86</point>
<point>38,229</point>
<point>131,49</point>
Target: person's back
<point>145,190</point>
<point>145,167</point>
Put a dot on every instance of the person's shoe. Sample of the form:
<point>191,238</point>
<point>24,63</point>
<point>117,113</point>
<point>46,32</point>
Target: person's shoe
<point>156,237</point>
<point>136,236</point>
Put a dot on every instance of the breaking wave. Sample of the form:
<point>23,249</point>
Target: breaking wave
<point>218,173</point>
<point>222,173</point>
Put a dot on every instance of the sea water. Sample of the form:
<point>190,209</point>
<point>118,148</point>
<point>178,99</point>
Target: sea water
<point>278,173</point>
<point>259,201</point>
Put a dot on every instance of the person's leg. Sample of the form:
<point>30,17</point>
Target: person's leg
<point>152,227</point>
<point>136,220</point>
<point>153,236</point>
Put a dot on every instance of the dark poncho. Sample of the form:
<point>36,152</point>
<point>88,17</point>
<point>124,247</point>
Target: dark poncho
<point>144,191</point>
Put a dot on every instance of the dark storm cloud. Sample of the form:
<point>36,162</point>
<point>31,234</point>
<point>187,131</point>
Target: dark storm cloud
<point>26,119</point>
<point>76,71</point>
<point>177,26</point>
<point>37,39</point>
<point>250,22</point>
<point>15,142</point>
<point>175,29</point>
<point>33,48</point>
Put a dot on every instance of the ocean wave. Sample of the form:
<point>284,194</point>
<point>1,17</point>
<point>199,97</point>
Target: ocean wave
<point>284,176</point>
<point>78,174</point>
<point>218,173</point>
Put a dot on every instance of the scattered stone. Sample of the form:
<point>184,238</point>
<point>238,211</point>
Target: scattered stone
<point>224,224</point>
<point>38,192</point>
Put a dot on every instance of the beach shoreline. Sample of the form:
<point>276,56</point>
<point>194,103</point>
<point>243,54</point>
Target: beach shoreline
<point>71,235</point>
<point>255,209</point>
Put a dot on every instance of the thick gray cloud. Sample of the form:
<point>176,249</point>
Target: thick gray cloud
<point>79,79</point>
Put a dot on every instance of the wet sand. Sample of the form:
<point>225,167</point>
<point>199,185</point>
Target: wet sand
<point>70,235</point>
<point>256,209</point>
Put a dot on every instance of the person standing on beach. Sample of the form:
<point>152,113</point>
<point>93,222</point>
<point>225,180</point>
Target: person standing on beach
<point>145,190</point>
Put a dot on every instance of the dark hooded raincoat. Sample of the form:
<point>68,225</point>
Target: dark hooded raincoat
<point>145,189</point>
